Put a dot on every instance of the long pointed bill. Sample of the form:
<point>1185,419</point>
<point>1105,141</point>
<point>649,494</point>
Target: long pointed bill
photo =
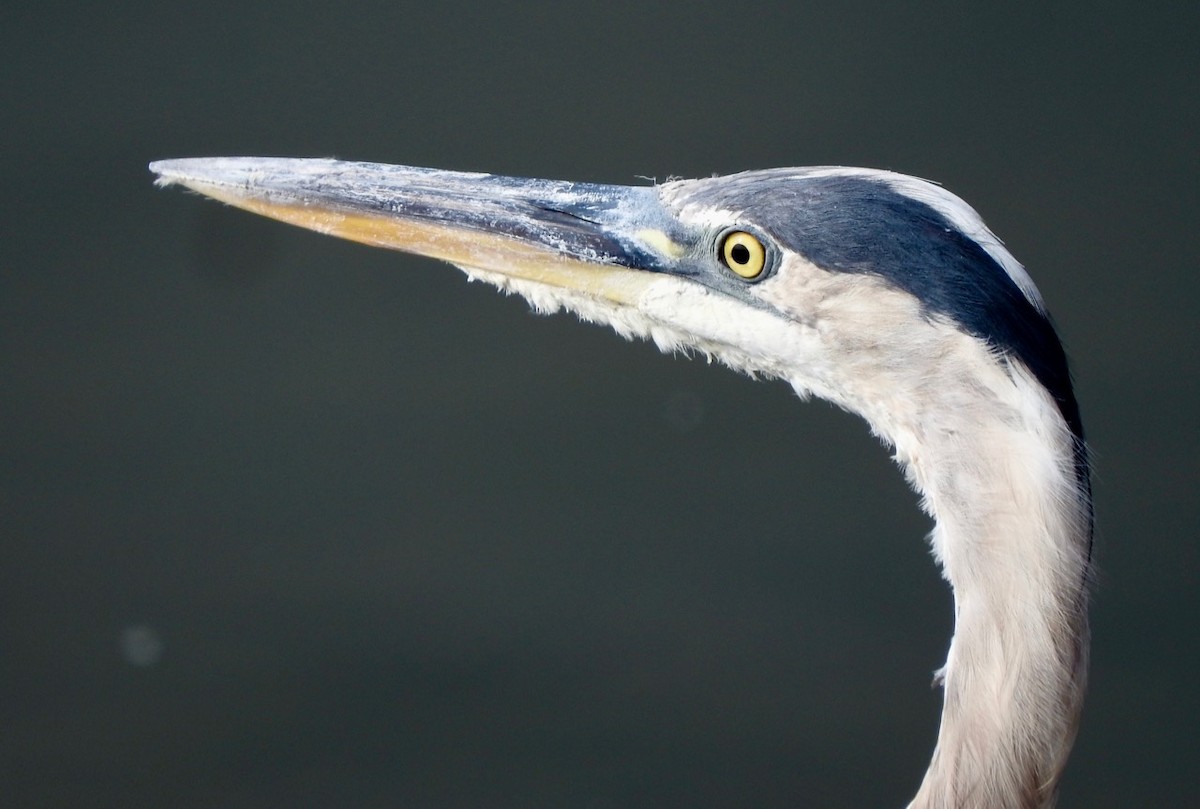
<point>596,239</point>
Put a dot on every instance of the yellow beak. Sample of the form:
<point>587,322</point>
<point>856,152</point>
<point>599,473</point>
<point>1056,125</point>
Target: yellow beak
<point>606,241</point>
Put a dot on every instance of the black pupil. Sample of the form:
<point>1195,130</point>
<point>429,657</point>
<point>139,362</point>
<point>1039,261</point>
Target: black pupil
<point>740,253</point>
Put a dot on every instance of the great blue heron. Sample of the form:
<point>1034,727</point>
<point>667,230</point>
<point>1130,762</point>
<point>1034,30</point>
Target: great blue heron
<point>880,292</point>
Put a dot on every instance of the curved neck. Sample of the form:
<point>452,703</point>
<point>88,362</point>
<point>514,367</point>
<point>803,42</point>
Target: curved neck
<point>1013,536</point>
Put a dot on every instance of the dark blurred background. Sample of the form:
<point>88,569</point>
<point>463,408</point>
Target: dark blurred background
<point>286,521</point>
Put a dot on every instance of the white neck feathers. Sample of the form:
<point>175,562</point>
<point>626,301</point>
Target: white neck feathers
<point>996,465</point>
<point>994,461</point>
<point>1013,534</point>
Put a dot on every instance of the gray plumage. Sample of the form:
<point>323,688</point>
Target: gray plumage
<point>882,293</point>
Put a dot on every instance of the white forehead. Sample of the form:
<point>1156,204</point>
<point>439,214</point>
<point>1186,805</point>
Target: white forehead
<point>954,209</point>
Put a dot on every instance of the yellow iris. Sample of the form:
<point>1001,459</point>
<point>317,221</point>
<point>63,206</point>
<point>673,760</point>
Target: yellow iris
<point>743,253</point>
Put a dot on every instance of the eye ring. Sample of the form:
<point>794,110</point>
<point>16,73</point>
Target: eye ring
<point>744,254</point>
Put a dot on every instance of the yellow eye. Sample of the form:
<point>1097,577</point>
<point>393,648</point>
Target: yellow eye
<point>743,253</point>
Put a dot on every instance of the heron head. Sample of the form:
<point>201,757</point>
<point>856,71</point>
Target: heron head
<point>832,278</point>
